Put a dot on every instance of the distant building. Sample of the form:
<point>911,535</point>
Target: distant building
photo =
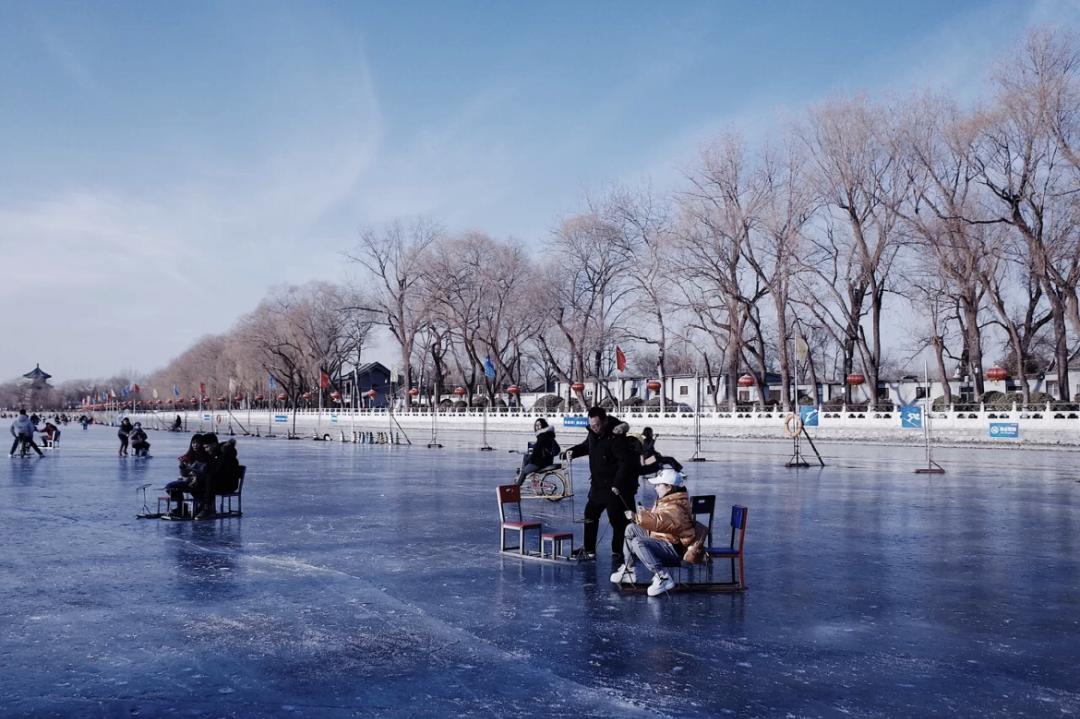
<point>370,376</point>
<point>36,379</point>
<point>32,386</point>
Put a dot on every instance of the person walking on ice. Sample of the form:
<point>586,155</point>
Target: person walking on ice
<point>613,464</point>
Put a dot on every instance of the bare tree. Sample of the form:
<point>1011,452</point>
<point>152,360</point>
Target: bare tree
<point>853,251</point>
<point>584,295</point>
<point>720,208</point>
<point>1023,159</point>
<point>395,257</point>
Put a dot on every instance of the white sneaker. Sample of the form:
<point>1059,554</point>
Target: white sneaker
<point>661,582</point>
<point>624,575</point>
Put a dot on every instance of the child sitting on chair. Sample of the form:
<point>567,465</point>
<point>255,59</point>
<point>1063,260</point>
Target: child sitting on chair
<point>659,536</point>
<point>544,450</point>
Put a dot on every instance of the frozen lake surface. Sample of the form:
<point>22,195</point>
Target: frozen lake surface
<point>365,580</point>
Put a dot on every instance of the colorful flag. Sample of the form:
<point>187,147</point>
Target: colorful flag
<point>489,368</point>
<point>324,379</point>
<point>620,359</point>
<point>135,388</point>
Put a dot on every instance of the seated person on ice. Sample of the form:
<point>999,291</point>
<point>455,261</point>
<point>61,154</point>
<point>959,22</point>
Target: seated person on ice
<point>651,459</point>
<point>177,424</point>
<point>51,431</point>
<point>139,441</point>
<point>543,453</point>
<point>194,466</point>
<point>658,536</point>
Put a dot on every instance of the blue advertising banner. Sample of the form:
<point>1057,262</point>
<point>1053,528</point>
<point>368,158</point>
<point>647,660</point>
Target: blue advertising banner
<point>333,419</point>
<point>281,418</point>
<point>911,417</point>
<point>206,417</point>
<point>575,421</point>
<point>809,416</point>
<point>1004,430</point>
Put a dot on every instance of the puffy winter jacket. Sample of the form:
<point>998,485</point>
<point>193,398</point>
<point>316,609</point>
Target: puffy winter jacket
<point>612,462</point>
<point>670,519</point>
<point>545,448</point>
<point>22,426</point>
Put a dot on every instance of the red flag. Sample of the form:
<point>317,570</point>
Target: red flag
<point>620,359</point>
<point>202,388</point>
<point>324,379</point>
<point>136,389</point>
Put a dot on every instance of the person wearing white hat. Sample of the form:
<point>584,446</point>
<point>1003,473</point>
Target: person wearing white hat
<point>658,536</point>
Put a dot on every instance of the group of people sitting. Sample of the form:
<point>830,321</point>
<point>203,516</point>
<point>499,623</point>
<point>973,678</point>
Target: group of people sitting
<point>207,469</point>
<point>23,429</point>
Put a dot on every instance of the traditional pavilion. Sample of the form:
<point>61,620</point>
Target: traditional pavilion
<point>37,378</point>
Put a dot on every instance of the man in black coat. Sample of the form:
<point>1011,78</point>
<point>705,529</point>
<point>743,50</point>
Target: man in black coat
<point>613,463</point>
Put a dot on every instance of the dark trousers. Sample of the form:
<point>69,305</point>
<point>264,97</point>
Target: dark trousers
<point>29,440</point>
<point>595,507</point>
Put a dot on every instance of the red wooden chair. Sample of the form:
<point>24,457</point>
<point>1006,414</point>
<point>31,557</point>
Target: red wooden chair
<point>511,519</point>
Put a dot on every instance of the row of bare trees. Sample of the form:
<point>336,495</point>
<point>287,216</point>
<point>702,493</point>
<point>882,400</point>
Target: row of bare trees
<point>830,237</point>
<point>862,213</point>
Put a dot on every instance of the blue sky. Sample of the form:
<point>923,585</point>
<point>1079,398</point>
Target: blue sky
<point>165,163</point>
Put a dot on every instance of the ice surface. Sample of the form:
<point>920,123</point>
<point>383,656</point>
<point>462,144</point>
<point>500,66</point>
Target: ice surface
<point>365,580</point>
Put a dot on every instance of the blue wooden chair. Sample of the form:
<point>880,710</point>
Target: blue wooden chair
<point>734,551</point>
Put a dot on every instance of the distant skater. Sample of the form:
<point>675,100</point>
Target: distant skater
<point>124,433</point>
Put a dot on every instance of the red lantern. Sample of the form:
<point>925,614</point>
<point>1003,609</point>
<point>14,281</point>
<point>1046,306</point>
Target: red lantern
<point>306,396</point>
<point>997,374</point>
<point>578,387</point>
<point>222,398</point>
<point>336,396</point>
<point>512,389</point>
<point>459,391</point>
<point>371,394</point>
<point>258,398</point>
<point>653,385</point>
<point>414,392</point>
<point>238,398</point>
<point>855,379</point>
<point>282,397</point>
<point>746,380</point>
<point>194,400</point>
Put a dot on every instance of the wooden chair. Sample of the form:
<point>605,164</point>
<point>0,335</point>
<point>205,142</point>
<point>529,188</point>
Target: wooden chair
<point>511,519</point>
<point>228,496</point>
<point>734,550</point>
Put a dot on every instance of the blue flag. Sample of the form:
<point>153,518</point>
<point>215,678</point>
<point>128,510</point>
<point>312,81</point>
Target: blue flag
<point>270,384</point>
<point>175,391</point>
<point>124,392</point>
<point>489,368</point>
